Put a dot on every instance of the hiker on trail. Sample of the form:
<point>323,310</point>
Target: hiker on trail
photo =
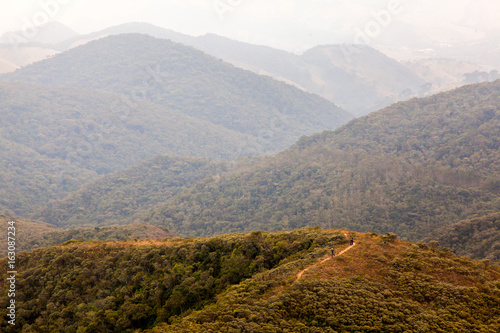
<point>352,241</point>
<point>333,253</point>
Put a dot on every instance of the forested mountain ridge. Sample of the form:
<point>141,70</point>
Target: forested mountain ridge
<point>30,179</point>
<point>248,282</point>
<point>33,235</point>
<point>478,238</point>
<point>116,198</point>
<point>409,169</point>
<point>357,77</point>
<point>54,139</point>
<point>380,285</point>
<point>187,80</point>
<point>139,284</point>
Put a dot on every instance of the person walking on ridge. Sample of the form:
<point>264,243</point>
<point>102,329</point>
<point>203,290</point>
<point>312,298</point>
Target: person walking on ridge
<point>352,241</point>
<point>333,252</point>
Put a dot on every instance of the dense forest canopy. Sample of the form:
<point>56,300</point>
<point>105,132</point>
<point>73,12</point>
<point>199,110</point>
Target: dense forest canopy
<point>117,198</point>
<point>120,286</point>
<point>250,282</point>
<point>184,79</point>
<point>409,169</point>
<point>55,139</point>
<point>478,238</point>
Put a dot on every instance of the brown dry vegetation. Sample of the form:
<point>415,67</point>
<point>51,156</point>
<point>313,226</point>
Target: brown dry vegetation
<point>381,284</point>
<point>372,258</point>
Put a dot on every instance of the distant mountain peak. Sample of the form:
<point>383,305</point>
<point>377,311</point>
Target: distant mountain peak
<point>49,33</point>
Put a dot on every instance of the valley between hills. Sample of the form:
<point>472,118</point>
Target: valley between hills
<point>157,187</point>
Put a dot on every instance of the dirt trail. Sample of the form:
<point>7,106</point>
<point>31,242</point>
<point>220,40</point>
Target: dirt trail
<point>299,274</point>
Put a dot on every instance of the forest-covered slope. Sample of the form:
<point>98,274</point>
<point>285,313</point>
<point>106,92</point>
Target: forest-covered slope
<point>410,168</point>
<point>187,80</point>
<point>30,179</point>
<point>25,232</point>
<point>54,139</point>
<point>32,235</point>
<point>249,282</point>
<point>116,198</point>
<point>120,286</point>
<point>380,285</point>
<point>476,238</point>
<point>62,121</point>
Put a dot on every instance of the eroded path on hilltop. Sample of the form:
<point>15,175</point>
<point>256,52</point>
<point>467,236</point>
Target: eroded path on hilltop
<point>299,274</point>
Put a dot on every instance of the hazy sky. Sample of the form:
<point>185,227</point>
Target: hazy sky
<point>289,24</point>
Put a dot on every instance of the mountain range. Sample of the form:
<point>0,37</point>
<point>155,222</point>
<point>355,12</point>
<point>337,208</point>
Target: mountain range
<point>410,168</point>
<point>149,186</point>
<point>187,80</point>
<point>376,79</point>
<point>57,138</point>
<point>133,97</point>
<point>415,168</point>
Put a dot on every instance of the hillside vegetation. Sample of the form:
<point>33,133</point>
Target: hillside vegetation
<point>477,238</point>
<point>245,282</point>
<point>136,231</point>
<point>116,198</point>
<point>30,179</point>
<point>380,285</point>
<point>33,235</point>
<point>25,233</point>
<point>121,286</point>
<point>54,139</point>
<point>187,80</point>
<point>410,168</point>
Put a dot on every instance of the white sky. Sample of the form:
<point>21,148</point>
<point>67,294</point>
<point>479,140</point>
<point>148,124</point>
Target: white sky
<point>288,24</point>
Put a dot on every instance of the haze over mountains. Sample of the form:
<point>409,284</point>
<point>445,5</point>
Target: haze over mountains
<point>150,97</point>
<point>412,168</point>
<point>356,77</point>
<point>159,182</point>
<point>56,138</point>
<point>409,169</point>
<point>191,82</point>
<point>119,99</point>
<point>7,66</point>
